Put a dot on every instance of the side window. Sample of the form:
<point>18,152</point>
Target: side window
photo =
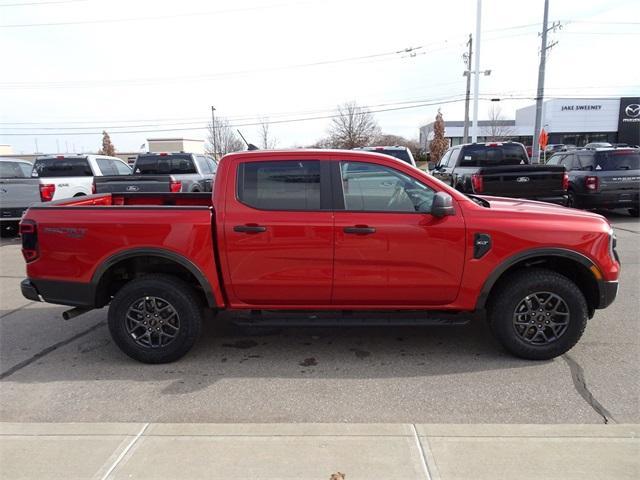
<point>586,162</point>
<point>121,168</point>
<point>445,158</point>
<point>453,159</point>
<point>203,164</point>
<point>375,188</point>
<point>568,162</point>
<point>556,159</point>
<point>106,167</point>
<point>212,165</point>
<point>280,185</point>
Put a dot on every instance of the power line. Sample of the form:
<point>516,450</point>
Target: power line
<point>27,4</point>
<point>149,17</point>
<point>293,120</point>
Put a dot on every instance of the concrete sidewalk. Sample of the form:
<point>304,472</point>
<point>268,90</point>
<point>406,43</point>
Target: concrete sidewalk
<point>315,451</point>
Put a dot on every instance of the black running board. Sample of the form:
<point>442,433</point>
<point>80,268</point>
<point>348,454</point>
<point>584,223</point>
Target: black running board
<point>285,318</point>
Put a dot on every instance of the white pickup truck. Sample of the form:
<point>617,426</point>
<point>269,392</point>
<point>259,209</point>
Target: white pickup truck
<point>66,176</point>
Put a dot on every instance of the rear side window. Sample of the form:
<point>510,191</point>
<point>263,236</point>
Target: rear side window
<point>106,167</point>
<point>285,185</point>
<point>12,170</point>
<point>204,165</point>
<point>617,160</point>
<point>121,168</point>
<point>175,164</point>
<point>556,159</point>
<point>498,155</point>
<point>61,167</point>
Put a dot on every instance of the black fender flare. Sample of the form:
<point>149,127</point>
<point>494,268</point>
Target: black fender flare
<point>155,252</point>
<point>532,254</point>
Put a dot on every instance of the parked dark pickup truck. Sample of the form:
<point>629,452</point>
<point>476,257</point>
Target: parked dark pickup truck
<point>503,170</point>
<point>163,172</point>
<point>17,192</point>
<point>321,237</point>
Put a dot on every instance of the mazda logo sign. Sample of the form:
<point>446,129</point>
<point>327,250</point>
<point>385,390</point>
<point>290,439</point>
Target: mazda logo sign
<point>632,110</point>
<point>522,179</point>
<point>132,188</point>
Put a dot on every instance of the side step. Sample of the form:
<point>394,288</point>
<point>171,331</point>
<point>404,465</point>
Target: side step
<point>286,318</point>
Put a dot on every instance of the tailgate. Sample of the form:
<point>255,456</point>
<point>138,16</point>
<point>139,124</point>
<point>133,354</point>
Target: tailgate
<point>523,180</point>
<point>623,182</point>
<point>16,194</point>
<point>133,184</point>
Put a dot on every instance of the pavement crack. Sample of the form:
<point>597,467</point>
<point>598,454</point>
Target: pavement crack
<point>16,309</point>
<point>580,384</point>
<point>48,350</point>
<point>626,230</point>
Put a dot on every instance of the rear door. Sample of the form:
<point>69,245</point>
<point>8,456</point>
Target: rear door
<point>278,233</point>
<point>389,250</point>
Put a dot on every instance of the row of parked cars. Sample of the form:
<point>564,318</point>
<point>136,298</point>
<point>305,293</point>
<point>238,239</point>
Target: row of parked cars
<point>55,177</point>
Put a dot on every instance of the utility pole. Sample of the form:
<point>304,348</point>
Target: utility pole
<point>36,141</point>
<point>467,73</point>
<point>541,71</point>
<point>213,132</point>
<point>476,82</point>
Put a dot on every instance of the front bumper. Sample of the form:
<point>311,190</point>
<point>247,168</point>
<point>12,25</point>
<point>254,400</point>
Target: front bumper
<point>608,293</point>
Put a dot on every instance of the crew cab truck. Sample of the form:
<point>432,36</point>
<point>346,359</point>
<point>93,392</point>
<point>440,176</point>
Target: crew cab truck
<point>65,176</point>
<point>163,172</point>
<point>321,237</point>
<point>501,169</point>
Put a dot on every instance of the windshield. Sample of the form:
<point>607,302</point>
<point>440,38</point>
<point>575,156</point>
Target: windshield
<point>615,161</point>
<point>62,167</point>
<point>164,164</point>
<point>497,155</point>
<point>14,170</point>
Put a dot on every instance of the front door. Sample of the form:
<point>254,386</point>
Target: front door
<point>390,251</point>
<point>278,230</point>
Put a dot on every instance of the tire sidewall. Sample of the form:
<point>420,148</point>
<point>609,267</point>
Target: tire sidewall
<point>179,295</point>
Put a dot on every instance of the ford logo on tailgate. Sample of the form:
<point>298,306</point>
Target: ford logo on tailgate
<point>522,179</point>
<point>132,188</point>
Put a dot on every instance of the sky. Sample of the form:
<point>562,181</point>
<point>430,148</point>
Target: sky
<point>148,69</point>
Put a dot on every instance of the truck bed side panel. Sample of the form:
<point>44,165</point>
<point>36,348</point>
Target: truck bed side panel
<point>73,247</point>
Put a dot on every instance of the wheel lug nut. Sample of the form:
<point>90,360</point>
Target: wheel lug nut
<point>547,322</point>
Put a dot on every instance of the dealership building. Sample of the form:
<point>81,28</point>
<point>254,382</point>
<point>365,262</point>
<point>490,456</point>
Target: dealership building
<point>573,121</point>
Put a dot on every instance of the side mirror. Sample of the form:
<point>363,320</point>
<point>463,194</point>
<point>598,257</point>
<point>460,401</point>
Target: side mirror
<point>431,166</point>
<point>442,205</point>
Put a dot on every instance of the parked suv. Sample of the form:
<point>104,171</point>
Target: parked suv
<point>603,178</point>
<point>397,151</point>
<point>163,172</point>
<point>65,176</point>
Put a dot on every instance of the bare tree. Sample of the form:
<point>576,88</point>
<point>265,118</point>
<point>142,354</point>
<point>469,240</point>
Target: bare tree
<point>439,144</point>
<point>353,127</point>
<point>107,146</point>
<point>226,140</point>
<point>267,141</point>
<point>498,128</point>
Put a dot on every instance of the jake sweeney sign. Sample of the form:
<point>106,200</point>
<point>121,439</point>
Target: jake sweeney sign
<point>580,107</point>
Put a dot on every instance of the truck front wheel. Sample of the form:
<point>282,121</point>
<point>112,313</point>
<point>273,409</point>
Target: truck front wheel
<point>155,318</point>
<point>538,314</point>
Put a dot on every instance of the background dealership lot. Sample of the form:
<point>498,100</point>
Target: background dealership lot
<point>55,370</point>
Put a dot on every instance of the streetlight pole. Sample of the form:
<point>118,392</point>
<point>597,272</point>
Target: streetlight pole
<point>476,80</point>
<point>213,132</point>
<point>540,94</point>
<point>467,59</point>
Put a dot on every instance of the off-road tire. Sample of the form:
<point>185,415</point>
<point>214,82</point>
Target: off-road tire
<point>182,299</point>
<point>518,286</point>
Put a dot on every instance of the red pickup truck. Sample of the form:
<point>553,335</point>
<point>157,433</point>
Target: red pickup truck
<point>319,237</point>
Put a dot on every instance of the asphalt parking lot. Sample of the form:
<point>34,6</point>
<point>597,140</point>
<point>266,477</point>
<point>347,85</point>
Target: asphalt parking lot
<point>52,370</point>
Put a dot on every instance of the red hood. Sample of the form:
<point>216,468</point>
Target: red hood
<point>531,206</point>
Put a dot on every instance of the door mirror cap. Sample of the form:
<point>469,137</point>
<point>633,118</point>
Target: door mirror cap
<point>442,205</point>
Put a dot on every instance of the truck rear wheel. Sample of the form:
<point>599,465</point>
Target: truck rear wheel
<point>538,314</point>
<point>155,318</point>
